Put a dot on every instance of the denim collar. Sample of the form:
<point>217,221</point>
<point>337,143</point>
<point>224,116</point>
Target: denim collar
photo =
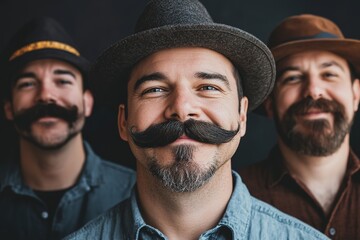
<point>236,217</point>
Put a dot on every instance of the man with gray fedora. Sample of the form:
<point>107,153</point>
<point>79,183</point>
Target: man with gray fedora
<point>184,85</point>
<point>312,173</point>
<point>53,183</point>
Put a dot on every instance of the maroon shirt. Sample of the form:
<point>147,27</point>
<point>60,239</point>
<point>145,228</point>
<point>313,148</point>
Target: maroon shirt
<point>270,181</point>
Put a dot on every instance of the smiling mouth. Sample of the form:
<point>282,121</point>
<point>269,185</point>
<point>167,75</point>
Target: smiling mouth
<point>185,138</point>
<point>47,120</point>
<point>314,114</point>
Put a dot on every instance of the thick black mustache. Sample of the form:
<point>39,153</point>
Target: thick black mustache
<point>25,118</point>
<point>303,106</point>
<point>167,132</point>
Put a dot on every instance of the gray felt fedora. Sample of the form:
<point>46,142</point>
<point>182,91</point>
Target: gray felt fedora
<point>183,23</point>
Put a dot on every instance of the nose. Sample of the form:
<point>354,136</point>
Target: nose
<point>46,93</point>
<point>182,105</point>
<point>314,88</point>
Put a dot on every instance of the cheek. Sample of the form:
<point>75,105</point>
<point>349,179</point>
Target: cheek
<point>21,102</point>
<point>143,116</point>
<point>225,115</point>
<point>285,99</point>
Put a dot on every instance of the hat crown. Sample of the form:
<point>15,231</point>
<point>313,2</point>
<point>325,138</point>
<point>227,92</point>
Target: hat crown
<point>302,27</point>
<point>39,29</point>
<point>159,13</point>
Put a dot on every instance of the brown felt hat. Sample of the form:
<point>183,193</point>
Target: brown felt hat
<point>309,32</point>
<point>306,32</point>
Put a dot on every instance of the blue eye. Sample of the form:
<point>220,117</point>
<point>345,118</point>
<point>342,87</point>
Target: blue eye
<point>208,88</point>
<point>329,74</point>
<point>152,90</point>
<point>23,85</point>
<point>291,79</point>
<point>64,82</point>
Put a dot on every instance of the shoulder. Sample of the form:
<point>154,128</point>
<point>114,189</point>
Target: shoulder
<point>260,174</point>
<point>116,168</point>
<point>255,174</point>
<point>113,176</point>
<point>106,168</point>
<point>275,224</point>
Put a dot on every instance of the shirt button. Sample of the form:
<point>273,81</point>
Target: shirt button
<point>332,231</point>
<point>44,215</point>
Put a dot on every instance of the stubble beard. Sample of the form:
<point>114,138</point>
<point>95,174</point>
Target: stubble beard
<point>184,174</point>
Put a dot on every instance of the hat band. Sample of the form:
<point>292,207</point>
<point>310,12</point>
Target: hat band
<point>319,35</point>
<point>42,45</point>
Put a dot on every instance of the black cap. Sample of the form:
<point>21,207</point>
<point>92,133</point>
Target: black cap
<point>41,38</point>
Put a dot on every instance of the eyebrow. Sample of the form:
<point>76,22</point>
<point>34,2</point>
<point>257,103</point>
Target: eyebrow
<point>157,76</point>
<point>284,70</point>
<point>66,72</point>
<point>33,75</point>
<point>23,75</point>
<point>151,77</point>
<point>293,68</point>
<point>331,63</point>
<point>218,76</point>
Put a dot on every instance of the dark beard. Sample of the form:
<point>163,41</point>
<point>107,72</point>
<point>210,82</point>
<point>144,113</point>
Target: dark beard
<point>320,139</point>
<point>162,134</point>
<point>184,175</point>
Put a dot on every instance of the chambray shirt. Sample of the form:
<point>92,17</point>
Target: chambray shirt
<point>23,215</point>
<point>245,218</point>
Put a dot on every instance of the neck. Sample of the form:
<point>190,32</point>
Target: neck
<point>184,215</point>
<point>322,175</point>
<point>49,170</point>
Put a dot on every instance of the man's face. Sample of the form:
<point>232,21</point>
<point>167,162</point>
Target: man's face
<point>48,105</point>
<point>314,102</point>
<point>168,88</point>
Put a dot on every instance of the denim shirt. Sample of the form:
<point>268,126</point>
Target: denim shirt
<point>244,218</point>
<point>23,215</point>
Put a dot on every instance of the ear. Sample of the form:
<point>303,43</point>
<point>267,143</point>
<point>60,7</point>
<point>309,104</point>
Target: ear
<point>356,93</point>
<point>88,102</point>
<point>243,115</point>
<point>268,105</point>
<point>122,124</point>
<point>8,110</point>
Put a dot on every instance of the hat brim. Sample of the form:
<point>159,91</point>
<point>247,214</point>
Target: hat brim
<point>349,49</point>
<point>250,56</point>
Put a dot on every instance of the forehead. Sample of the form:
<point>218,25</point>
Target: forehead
<point>183,60</point>
<point>311,57</point>
<point>49,64</point>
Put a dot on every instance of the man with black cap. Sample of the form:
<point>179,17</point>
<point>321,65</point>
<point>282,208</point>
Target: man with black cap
<point>312,173</point>
<point>189,82</point>
<point>55,183</point>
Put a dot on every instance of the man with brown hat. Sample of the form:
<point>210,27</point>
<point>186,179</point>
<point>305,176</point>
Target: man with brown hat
<point>187,83</point>
<point>312,173</point>
<point>54,183</point>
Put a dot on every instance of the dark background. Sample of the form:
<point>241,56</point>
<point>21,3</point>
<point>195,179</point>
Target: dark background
<point>96,24</point>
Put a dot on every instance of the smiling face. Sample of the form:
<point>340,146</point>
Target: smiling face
<point>176,85</point>
<point>48,104</point>
<point>313,102</point>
